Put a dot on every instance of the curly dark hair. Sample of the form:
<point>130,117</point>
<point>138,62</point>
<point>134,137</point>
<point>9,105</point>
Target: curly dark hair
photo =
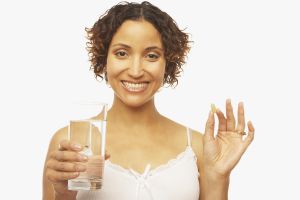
<point>175,41</point>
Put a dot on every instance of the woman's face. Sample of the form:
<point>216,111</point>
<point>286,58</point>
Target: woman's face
<point>136,62</point>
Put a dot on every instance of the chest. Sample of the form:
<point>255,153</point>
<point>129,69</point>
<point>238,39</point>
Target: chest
<point>137,153</point>
<point>177,181</point>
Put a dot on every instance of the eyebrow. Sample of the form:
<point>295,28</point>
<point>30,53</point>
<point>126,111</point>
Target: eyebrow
<point>148,48</point>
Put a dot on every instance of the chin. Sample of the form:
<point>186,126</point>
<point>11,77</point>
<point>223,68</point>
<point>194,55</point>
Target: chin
<point>135,102</point>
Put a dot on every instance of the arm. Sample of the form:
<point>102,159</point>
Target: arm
<point>57,171</point>
<point>221,152</point>
<point>213,188</point>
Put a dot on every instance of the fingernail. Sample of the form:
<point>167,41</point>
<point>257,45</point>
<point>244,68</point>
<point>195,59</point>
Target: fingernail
<point>75,173</point>
<point>76,146</point>
<point>228,101</point>
<point>213,108</point>
<point>83,158</point>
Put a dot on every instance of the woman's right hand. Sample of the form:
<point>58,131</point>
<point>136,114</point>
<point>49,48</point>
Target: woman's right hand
<point>63,164</point>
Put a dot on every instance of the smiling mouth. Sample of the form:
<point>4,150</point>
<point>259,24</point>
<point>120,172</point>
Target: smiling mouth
<point>135,87</point>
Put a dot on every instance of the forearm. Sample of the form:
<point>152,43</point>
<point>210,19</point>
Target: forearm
<point>214,188</point>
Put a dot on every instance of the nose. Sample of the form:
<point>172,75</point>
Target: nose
<point>136,69</point>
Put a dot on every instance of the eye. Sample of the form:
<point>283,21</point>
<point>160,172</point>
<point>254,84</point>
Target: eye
<point>152,56</point>
<point>121,54</point>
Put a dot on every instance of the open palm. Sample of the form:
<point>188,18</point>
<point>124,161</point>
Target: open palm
<point>222,152</point>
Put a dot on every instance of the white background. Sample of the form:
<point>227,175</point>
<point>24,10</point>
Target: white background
<point>244,50</point>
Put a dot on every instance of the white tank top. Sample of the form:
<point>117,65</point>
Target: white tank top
<point>176,180</point>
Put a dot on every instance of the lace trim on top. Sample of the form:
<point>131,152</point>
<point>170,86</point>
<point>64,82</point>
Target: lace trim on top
<point>158,169</point>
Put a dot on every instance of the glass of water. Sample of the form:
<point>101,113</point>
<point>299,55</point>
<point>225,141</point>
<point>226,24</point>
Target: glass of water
<point>88,128</point>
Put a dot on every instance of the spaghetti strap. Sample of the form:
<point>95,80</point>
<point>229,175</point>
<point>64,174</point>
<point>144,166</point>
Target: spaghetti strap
<point>188,133</point>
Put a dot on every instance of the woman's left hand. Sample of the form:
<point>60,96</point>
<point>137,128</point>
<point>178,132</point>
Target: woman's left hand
<point>222,152</point>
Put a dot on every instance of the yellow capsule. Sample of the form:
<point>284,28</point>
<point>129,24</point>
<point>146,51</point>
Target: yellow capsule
<point>213,108</point>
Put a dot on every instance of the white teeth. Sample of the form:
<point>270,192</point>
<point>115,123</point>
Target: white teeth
<point>135,87</point>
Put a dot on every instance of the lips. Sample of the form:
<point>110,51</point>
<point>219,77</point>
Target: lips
<point>135,86</point>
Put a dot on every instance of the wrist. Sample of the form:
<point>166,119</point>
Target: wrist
<point>69,195</point>
<point>214,186</point>
<point>215,175</point>
<point>216,178</point>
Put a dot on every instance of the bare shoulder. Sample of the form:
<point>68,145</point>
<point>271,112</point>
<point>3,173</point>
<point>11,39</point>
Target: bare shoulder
<point>197,142</point>
<point>196,137</point>
<point>59,135</point>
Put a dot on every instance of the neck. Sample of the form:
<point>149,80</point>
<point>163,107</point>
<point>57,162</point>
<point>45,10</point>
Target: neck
<point>121,113</point>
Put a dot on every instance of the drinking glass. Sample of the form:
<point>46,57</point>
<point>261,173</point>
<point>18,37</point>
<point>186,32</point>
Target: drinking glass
<point>88,128</point>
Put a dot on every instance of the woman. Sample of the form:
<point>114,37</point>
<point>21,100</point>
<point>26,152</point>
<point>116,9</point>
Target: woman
<point>137,48</point>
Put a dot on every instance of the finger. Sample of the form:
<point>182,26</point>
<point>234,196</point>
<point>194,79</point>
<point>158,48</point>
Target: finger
<point>66,166</point>
<point>56,176</point>
<point>209,127</point>
<point>68,156</point>
<point>222,120</point>
<point>250,135</point>
<point>241,118</point>
<point>68,145</point>
<point>230,122</point>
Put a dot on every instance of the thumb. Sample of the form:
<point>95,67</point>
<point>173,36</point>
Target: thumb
<point>210,127</point>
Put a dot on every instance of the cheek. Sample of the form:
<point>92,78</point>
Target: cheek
<point>112,68</point>
<point>158,71</point>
